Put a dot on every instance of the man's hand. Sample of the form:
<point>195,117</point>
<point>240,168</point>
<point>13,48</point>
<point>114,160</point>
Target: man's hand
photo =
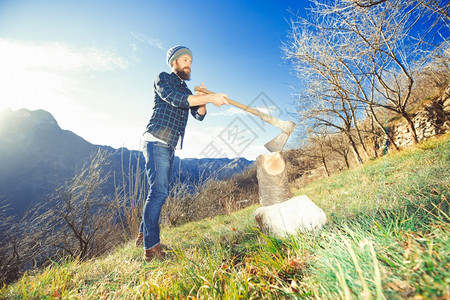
<point>216,99</point>
<point>201,93</point>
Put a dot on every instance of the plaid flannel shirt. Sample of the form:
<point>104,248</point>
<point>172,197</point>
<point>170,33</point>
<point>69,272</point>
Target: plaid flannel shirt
<point>171,109</point>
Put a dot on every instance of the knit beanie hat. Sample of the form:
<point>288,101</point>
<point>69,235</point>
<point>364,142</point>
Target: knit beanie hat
<point>176,52</point>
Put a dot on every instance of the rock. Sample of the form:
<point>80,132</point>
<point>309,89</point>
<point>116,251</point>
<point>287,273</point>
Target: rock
<point>446,105</point>
<point>290,217</point>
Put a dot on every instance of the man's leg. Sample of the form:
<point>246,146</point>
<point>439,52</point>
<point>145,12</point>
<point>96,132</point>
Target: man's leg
<point>158,168</point>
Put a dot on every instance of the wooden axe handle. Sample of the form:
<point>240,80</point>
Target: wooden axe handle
<point>263,116</point>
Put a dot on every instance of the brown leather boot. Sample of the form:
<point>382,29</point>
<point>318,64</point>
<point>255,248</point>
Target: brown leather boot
<point>155,252</point>
<point>140,239</point>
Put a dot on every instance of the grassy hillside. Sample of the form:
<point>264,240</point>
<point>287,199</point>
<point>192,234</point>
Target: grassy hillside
<point>387,238</point>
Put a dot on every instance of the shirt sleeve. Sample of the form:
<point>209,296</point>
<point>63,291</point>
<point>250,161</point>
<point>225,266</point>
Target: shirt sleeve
<point>196,115</point>
<point>166,88</point>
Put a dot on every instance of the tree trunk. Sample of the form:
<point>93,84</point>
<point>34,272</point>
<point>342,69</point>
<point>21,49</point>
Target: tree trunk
<point>375,144</point>
<point>272,179</point>
<point>354,149</point>
<point>385,130</point>
<point>325,165</point>
<point>374,134</point>
<point>346,160</point>
<point>358,132</point>
<point>411,126</point>
<point>361,140</point>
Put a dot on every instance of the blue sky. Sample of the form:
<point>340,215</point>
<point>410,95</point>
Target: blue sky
<point>92,65</point>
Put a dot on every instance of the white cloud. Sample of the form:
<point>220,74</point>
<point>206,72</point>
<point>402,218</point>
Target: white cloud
<point>154,42</point>
<point>139,36</point>
<point>36,75</point>
<point>56,56</point>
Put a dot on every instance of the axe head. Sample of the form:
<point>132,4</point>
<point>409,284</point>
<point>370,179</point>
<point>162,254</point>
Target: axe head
<point>277,144</point>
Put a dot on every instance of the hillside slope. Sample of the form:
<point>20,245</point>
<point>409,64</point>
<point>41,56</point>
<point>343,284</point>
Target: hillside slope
<point>387,238</point>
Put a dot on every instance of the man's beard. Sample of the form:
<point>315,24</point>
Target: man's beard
<point>184,74</point>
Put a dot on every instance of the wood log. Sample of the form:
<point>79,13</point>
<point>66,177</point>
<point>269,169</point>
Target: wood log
<point>272,179</point>
<point>280,214</point>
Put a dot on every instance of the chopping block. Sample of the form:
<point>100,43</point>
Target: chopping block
<point>280,214</point>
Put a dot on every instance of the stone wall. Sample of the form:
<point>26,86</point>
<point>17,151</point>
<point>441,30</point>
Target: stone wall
<point>431,120</point>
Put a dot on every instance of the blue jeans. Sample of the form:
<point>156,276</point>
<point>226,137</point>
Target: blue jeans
<point>158,167</point>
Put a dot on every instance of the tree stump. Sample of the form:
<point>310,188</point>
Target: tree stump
<point>272,179</point>
<point>280,215</point>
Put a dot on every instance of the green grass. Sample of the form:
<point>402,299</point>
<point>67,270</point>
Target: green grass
<point>387,237</point>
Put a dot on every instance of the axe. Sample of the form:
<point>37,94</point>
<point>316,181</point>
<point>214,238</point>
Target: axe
<point>286,127</point>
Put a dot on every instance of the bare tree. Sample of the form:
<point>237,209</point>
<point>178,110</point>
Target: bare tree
<point>81,212</point>
<point>432,78</point>
<point>129,197</point>
<point>326,99</point>
<point>338,144</point>
<point>76,221</point>
<point>20,244</point>
<point>440,7</point>
<point>318,148</point>
<point>10,258</point>
<point>372,47</point>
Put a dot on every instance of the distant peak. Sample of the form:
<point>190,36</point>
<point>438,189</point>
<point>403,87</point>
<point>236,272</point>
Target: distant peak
<point>25,116</point>
<point>40,115</point>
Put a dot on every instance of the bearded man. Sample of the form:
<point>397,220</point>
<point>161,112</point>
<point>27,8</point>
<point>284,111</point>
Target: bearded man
<point>165,132</point>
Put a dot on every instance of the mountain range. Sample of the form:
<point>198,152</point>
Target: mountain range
<point>37,156</point>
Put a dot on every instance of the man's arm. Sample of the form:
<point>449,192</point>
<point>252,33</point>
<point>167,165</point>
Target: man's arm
<point>198,112</point>
<point>200,100</point>
<point>201,109</point>
<point>164,89</point>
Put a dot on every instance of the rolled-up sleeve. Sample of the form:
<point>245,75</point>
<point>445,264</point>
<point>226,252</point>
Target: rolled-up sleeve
<point>196,115</point>
<point>164,87</point>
